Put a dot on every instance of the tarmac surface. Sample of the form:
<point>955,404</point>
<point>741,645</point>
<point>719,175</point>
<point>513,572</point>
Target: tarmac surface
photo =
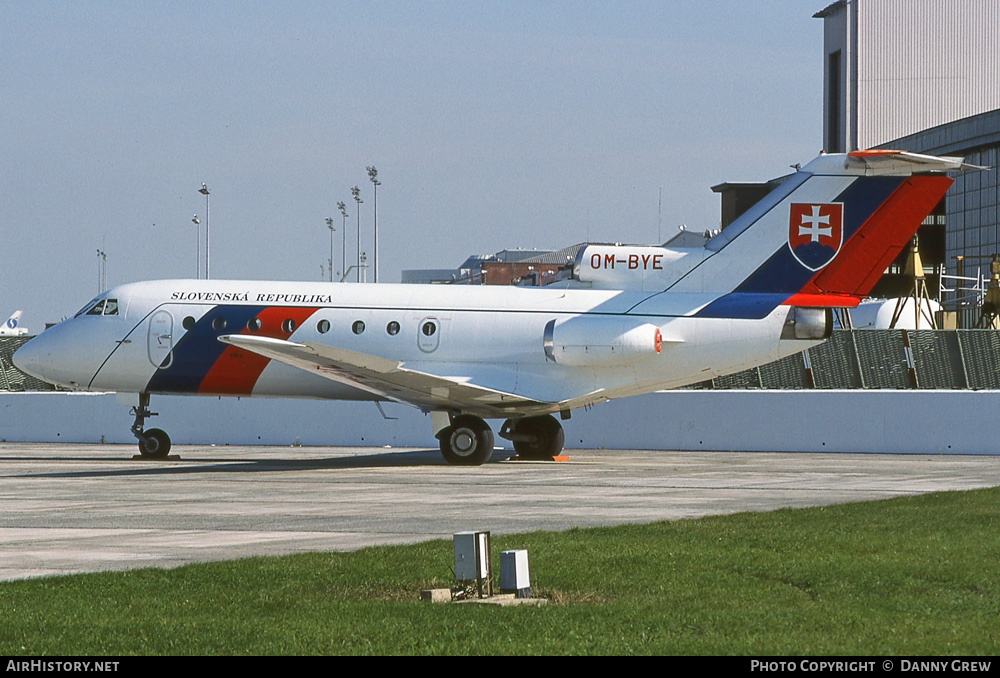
<point>68,508</point>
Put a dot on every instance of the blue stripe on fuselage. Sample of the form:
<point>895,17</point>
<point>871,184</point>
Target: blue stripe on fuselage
<point>743,305</point>
<point>199,349</point>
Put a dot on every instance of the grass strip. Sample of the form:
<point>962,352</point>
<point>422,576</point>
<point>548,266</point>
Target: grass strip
<point>914,575</point>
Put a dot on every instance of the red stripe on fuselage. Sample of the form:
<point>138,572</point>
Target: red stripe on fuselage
<point>236,371</point>
<point>863,259</point>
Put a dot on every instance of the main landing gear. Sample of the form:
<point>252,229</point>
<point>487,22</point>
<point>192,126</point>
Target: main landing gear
<point>154,443</point>
<point>535,437</point>
<point>468,440</point>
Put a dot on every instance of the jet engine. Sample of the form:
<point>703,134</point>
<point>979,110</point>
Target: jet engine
<point>807,323</point>
<point>600,341</point>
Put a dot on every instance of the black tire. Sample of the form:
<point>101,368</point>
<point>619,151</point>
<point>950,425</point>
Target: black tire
<point>467,442</point>
<point>155,445</point>
<point>548,434</point>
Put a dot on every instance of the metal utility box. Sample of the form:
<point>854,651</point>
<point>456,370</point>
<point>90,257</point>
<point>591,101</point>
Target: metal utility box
<point>472,556</point>
<point>514,577</point>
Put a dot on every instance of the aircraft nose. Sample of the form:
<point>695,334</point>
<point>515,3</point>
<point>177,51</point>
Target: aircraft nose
<point>30,358</point>
<point>46,357</point>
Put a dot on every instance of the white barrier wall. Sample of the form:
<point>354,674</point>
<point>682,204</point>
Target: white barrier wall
<point>926,422</point>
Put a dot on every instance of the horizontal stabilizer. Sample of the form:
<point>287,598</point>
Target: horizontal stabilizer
<point>877,161</point>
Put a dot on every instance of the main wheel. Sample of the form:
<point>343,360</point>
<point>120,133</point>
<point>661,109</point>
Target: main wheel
<point>467,442</point>
<point>156,444</point>
<point>547,433</point>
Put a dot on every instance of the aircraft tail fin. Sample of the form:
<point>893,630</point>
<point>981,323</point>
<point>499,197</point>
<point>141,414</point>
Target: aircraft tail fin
<point>824,236</point>
<point>10,326</point>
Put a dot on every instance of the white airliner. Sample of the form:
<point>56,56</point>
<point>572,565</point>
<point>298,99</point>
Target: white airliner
<point>633,319</point>
<point>11,329</point>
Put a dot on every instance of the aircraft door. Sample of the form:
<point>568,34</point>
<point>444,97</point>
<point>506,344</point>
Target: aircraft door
<point>160,340</point>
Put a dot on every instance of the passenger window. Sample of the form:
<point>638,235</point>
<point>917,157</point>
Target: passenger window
<point>392,328</point>
<point>253,324</point>
<point>188,323</point>
<point>358,327</point>
<point>428,329</point>
<point>323,326</point>
<point>288,326</point>
<point>219,324</point>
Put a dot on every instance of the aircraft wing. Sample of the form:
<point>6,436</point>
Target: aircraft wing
<point>389,378</point>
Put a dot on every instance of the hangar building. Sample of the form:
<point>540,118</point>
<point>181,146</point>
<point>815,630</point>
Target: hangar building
<point>924,77</point>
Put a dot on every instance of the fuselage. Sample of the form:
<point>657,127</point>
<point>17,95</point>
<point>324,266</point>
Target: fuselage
<point>634,319</point>
<point>162,337</point>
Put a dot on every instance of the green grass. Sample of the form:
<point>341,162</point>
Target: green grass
<point>907,576</point>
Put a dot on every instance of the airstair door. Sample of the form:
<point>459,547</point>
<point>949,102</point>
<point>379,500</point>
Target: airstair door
<point>160,340</point>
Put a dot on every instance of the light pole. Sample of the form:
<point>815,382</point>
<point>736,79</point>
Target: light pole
<point>102,271</point>
<point>373,177</point>
<point>343,238</point>
<point>208,232</point>
<point>197,247</point>
<point>356,192</point>
<point>329,224</point>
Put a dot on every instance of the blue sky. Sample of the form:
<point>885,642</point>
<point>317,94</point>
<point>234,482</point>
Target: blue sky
<point>493,125</point>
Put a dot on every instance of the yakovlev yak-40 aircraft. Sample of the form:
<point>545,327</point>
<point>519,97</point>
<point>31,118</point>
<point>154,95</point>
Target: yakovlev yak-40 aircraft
<point>633,319</point>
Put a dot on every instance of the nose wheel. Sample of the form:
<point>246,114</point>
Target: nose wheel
<point>154,443</point>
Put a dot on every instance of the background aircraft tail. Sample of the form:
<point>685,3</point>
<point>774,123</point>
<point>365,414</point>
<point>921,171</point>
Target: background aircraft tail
<point>823,237</point>
<point>11,325</point>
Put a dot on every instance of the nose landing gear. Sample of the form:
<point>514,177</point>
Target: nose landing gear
<point>154,443</point>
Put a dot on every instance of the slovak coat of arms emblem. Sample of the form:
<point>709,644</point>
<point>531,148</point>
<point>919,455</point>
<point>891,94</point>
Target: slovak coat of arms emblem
<point>815,232</point>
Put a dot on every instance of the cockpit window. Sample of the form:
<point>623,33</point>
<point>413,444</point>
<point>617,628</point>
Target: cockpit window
<point>100,307</point>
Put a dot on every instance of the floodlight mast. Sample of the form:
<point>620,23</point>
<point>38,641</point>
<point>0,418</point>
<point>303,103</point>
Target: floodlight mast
<point>373,177</point>
<point>343,238</point>
<point>197,247</point>
<point>356,193</point>
<point>102,271</point>
<point>329,224</point>
<point>208,232</point>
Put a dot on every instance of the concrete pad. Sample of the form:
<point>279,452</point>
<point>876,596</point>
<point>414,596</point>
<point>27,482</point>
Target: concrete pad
<point>68,508</point>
